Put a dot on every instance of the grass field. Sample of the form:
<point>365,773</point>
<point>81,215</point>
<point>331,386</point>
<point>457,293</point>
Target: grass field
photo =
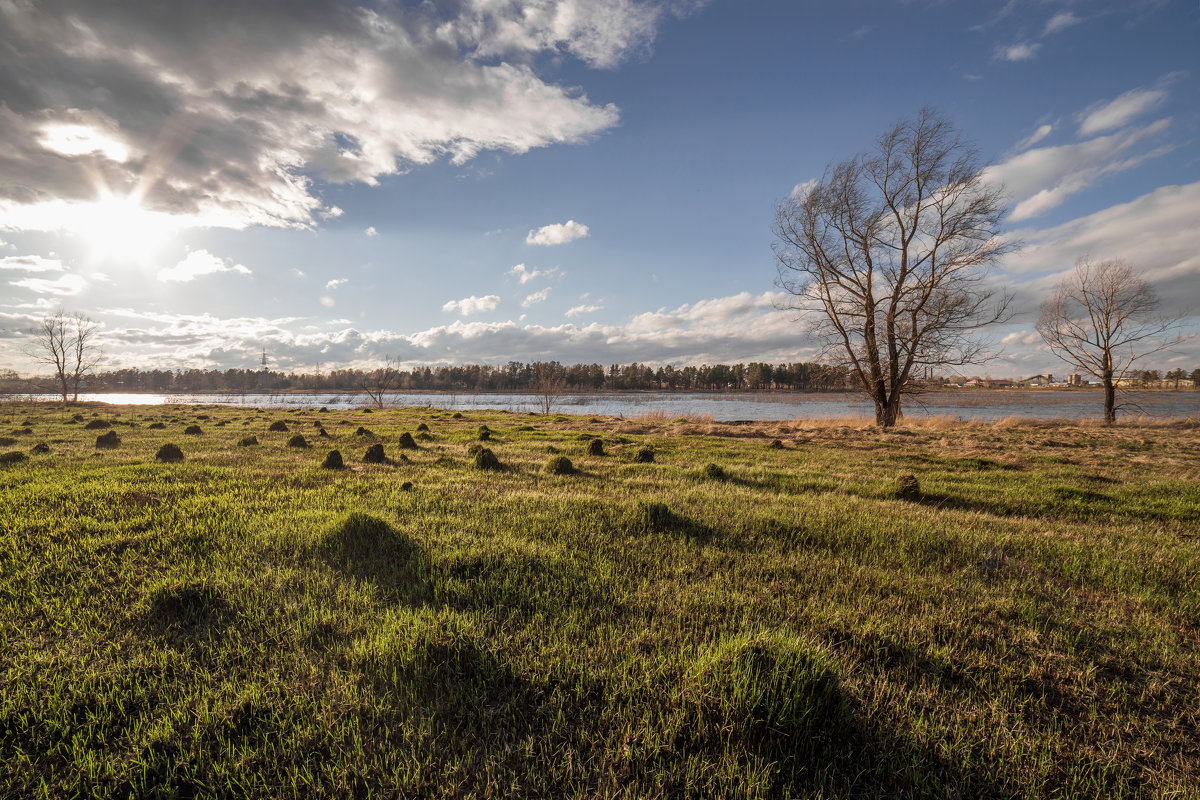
<point>762,610</point>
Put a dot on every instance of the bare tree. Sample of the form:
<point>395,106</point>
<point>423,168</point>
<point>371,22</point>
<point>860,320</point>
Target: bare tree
<point>378,382</point>
<point>68,344</point>
<point>547,384</point>
<point>889,253</point>
<point>1102,318</point>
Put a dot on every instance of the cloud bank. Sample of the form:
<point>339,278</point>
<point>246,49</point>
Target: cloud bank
<point>227,113</point>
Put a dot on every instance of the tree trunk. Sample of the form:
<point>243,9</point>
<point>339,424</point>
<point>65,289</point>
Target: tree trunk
<point>1110,401</point>
<point>887,412</point>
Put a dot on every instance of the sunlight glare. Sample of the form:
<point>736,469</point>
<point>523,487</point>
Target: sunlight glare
<point>119,229</point>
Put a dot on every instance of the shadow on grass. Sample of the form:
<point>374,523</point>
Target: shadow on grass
<point>188,611</point>
<point>503,582</point>
<point>770,712</point>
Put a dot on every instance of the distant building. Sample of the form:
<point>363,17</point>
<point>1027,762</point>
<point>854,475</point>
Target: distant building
<point>1074,380</point>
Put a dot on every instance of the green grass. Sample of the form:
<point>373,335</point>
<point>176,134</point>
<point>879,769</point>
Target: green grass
<point>734,619</point>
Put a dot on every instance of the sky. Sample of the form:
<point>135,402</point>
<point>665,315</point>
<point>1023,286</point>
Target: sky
<point>479,181</point>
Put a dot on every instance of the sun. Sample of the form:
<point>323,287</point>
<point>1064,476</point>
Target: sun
<point>118,228</point>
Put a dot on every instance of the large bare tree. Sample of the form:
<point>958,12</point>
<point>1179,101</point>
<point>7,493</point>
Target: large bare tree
<point>1102,318</point>
<point>68,344</point>
<point>889,253</point>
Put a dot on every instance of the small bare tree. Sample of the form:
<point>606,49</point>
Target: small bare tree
<point>1102,318</point>
<point>68,344</point>
<point>547,384</point>
<point>378,382</point>
<point>888,254</point>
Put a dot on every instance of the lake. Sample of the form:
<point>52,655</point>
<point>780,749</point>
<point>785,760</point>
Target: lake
<point>966,405</point>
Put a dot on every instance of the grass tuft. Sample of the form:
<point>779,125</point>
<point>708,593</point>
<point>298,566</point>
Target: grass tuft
<point>169,453</point>
<point>485,459</point>
<point>107,441</point>
<point>559,465</point>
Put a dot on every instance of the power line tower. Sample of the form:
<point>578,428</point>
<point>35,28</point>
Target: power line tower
<point>264,382</point>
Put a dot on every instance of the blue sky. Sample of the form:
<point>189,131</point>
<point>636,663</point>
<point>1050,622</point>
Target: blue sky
<point>490,180</point>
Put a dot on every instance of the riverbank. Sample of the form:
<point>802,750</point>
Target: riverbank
<point>753,609</point>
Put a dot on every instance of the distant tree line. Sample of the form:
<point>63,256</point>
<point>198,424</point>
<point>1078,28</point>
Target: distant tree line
<point>512,377</point>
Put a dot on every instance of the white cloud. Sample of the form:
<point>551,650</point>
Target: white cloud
<point>1022,337</point>
<point>1157,232</point>
<point>1060,22</point>
<point>197,263</point>
<point>472,305</point>
<point>1042,178</point>
<point>1041,133</point>
<point>31,264</point>
<point>65,285</point>
<point>1022,51</point>
<point>237,118</point>
<point>328,301</point>
<point>601,33</point>
<point>801,190</point>
<point>558,233</point>
<point>371,231</point>
<point>1116,113</point>
<point>524,274</point>
<point>535,298</point>
<point>575,311</point>
<point>335,283</point>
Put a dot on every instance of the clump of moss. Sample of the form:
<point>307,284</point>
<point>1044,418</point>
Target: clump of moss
<point>298,440</point>
<point>193,430</point>
<point>323,433</point>
<point>363,432</point>
<point>456,415</point>
<point>278,426</point>
<point>248,441</point>
<point>7,441</point>
<point>12,457</point>
<point>97,425</point>
<point>422,427</point>
<point>484,434</point>
<point>905,487</point>
<point>222,423</point>
<point>559,465</point>
<point>406,486</point>
<point>333,460</point>
<point>107,441</point>
<point>644,455</point>
<point>776,445</point>
<point>40,447</point>
<point>425,436</point>
<point>715,472</point>
<point>407,442</point>
<point>486,459</point>
<point>596,447</point>
<point>169,453</point>
<point>322,410</point>
<point>375,455</point>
